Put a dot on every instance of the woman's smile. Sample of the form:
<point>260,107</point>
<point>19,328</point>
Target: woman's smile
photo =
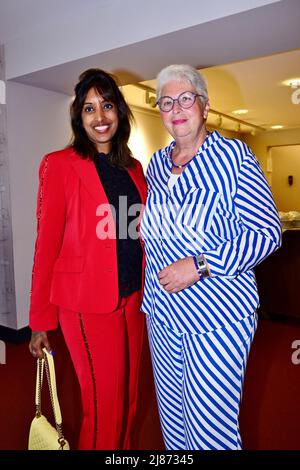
<point>100,120</point>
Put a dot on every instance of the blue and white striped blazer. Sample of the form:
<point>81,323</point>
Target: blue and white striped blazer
<point>221,206</point>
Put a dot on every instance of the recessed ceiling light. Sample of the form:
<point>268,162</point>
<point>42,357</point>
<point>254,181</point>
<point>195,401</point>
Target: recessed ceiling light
<point>240,111</point>
<point>292,82</point>
<point>278,126</point>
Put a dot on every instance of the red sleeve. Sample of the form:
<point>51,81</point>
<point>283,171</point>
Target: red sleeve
<point>50,215</point>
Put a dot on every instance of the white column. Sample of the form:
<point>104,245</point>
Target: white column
<point>8,316</point>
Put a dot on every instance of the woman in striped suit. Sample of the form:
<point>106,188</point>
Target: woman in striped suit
<point>209,220</point>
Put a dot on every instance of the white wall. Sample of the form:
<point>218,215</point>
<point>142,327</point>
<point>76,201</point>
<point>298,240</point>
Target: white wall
<point>37,123</point>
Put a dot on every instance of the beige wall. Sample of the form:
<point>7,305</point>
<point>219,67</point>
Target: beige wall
<point>273,149</point>
<point>277,161</point>
<point>226,133</point>
<point>260,143</point>
<point>147,135</point>
<point>285,162</point>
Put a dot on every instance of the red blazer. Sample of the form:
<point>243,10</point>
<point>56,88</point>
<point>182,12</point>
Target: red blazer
<point>73,268</point>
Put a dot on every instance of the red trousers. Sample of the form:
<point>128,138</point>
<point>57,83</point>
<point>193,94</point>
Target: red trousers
<point>106,351</point>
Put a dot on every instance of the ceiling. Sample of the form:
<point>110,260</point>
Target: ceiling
<point>18,17</point>
<point>254,84</point>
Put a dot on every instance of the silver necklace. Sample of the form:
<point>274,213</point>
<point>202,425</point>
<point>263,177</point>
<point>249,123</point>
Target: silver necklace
<point>186,163</point>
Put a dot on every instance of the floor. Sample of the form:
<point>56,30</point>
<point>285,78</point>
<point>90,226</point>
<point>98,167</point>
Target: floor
<point>270,410</point>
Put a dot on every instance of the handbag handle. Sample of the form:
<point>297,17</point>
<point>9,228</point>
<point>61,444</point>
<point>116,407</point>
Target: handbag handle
<point>47,362</point>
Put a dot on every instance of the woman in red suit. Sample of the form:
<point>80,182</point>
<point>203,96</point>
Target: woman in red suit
<point>88,262</point>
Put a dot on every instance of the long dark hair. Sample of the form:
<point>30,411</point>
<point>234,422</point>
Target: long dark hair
<point>106,86</point>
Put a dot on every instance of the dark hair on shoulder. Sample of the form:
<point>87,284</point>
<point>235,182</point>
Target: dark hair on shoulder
<point>106,85</point>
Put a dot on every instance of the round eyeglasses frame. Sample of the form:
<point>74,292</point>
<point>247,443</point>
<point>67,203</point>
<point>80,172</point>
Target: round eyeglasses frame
<point>181,103</point>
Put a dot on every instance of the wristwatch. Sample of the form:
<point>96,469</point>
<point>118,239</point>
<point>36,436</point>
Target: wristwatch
<point>201,266</point>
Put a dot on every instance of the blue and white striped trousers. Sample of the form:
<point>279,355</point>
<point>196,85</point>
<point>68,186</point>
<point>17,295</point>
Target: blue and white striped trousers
<point>199,379</point>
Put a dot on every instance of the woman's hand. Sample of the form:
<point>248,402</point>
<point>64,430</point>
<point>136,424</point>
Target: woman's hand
<point>179,275</point>
<point>39,339</point>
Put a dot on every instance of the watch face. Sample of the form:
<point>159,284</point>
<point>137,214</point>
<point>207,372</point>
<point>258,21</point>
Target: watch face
<point>203,268</point>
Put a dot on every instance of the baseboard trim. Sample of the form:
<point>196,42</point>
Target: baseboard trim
<point>10,335</point>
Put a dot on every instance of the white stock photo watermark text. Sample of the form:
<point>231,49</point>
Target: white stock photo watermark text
<point>168,221</point>
<point>295,96</point>
<point>295,357</point>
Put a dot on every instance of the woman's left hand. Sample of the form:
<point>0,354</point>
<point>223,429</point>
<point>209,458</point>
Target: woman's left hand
<point>179,275</point>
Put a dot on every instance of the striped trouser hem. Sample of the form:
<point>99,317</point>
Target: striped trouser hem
<point>199,379</point>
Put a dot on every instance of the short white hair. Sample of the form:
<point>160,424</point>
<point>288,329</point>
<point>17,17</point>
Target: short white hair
<point>181,72</point>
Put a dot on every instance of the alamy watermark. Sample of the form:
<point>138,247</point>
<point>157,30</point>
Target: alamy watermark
<point>296,354</point>
<point>128,220</point>
<point>295,96</point>
<point>163,221</point>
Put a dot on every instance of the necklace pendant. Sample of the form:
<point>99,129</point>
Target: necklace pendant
<point>183,165</point>
<point>177,166</point>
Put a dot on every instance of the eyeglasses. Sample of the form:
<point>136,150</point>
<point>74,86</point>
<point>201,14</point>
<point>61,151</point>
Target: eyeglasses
<point>185,101</point>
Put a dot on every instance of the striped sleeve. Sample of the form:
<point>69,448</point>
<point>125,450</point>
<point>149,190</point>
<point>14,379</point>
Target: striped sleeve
<point>260,225</point>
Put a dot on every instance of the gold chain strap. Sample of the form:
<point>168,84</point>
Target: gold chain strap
<point>38,405</point>
<point>40,368</point>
